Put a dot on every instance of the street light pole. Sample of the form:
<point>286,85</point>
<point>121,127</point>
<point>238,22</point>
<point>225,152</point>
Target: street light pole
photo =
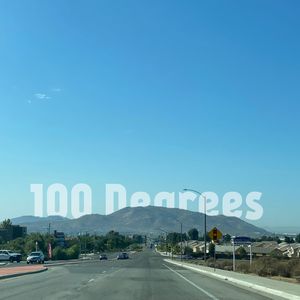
<point>165,239</point>
<point>204,197</point>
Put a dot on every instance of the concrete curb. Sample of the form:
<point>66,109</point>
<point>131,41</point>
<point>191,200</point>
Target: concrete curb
<point>22,274</point>
<point>62,264</point>
<point>239,282</point>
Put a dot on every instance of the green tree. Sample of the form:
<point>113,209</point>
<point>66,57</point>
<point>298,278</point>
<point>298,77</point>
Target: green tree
<point>193,234</point>
<point>188,251</point>
<point>6,224</point>
<point>211,249</point>
<point>241,252</point>
<point>288,240</point>
<point>59,253</point>
<point>227,238</point>
<point>73,252</point>
<point>298,238</point>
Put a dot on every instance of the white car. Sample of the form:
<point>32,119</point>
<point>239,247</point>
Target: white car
<point>36,257</point>
<point>8,255</point>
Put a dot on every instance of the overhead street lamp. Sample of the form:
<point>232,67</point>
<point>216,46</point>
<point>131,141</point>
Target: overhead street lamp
<point>204,197</point>
<point>166,232</point>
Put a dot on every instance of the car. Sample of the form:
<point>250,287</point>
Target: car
<point>123,255</point>
<point>36,257</point>
<point>8,255</point>
<point>103,257</point>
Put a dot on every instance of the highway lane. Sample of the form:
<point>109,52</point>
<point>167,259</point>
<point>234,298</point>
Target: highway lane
<point>144,276</point>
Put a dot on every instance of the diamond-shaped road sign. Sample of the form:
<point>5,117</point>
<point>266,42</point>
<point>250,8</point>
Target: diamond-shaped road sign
<point>215,234</point>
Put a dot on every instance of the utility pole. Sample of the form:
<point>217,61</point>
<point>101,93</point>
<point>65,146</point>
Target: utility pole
<point>49,228</point>
<point>204,197</point>
<point>180,241</point>
<point>233,255</point>
<point>85,243</point>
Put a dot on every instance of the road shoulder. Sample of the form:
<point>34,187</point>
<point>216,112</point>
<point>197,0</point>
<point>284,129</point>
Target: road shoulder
<point>284,290</point>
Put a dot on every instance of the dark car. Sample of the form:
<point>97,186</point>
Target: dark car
<point>123,255</point>
<point>15,256</point>
<point>103,257</point>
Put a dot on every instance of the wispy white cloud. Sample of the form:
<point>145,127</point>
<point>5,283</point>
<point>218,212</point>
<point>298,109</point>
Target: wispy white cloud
<point>42,96</point>
<point>56,90</point>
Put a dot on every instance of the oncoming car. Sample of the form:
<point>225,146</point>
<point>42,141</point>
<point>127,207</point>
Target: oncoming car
<point>103,257</point>
<point>123,255</point>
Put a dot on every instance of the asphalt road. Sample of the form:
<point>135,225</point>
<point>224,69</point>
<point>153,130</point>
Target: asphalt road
<point>144,276</point>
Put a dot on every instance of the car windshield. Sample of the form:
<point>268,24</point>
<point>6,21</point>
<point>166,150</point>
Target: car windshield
<point>35,254</point>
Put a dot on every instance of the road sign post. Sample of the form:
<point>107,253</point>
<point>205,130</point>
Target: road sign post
<point>215,234</point>
<point>233,257</point>
<point>239,241</point>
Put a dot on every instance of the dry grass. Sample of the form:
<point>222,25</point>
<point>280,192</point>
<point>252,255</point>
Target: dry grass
<point>262,266</point>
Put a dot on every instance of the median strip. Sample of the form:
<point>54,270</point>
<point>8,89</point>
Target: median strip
<point>20,271</point>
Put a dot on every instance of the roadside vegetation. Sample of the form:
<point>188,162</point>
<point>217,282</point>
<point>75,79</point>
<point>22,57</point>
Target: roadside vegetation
<point>273,265</point>
<point>74,246</point>
<point>261,266</point>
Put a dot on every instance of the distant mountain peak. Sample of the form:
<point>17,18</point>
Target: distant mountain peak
<point>141,220</point>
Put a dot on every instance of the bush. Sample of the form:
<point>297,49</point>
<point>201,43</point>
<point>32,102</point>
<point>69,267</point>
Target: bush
<point>59,253</point>
<point>243,267</point>
<point>73,252</point>
<point>296,272</point>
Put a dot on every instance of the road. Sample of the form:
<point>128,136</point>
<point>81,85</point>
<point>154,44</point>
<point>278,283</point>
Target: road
<point>144,276</point>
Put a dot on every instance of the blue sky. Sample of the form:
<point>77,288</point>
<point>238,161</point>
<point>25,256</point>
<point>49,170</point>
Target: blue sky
<point>155,95</point>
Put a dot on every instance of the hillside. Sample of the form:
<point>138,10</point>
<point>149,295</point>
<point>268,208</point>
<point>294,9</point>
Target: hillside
<point>141,220</point>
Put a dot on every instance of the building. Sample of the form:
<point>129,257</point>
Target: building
<point>12,232</point>
<point>289,250</point>
<point>196,246</point>
<point>59,238</point>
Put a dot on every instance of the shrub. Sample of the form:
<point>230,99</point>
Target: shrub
<point>59,253</point>
<point>72,252</point>
<point>243,267</point>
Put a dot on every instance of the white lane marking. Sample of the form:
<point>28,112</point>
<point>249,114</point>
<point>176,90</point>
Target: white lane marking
<point>193,284</point>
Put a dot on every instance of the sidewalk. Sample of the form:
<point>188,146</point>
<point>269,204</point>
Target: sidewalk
<point>19,271</point>
<point>282,289</point>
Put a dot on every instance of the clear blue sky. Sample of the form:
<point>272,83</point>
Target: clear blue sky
<point>156,95</point>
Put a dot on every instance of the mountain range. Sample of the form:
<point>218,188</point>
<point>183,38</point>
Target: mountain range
<point>144,220</point>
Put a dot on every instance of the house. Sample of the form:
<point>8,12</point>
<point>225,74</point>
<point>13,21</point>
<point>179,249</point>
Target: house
<point>289,250</point>
<point>197,246</point>
<point>225,249</point>
<point>262,248</point>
